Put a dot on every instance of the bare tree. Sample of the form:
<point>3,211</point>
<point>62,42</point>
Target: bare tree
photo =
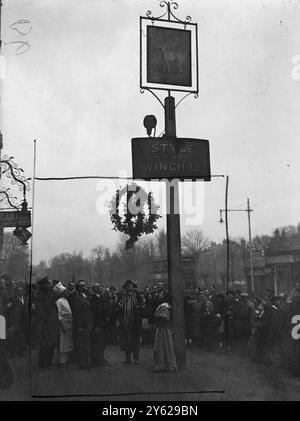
<point>194,242</point>
<point>15,258</point>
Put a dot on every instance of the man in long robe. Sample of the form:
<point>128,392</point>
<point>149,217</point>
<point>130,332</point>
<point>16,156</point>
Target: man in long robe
<point>131,307</point>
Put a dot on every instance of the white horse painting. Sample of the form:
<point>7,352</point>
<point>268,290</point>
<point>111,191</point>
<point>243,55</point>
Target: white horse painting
<point>172,61</point>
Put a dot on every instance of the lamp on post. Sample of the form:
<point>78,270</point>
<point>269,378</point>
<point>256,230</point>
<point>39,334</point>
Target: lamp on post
<point>150,123</point>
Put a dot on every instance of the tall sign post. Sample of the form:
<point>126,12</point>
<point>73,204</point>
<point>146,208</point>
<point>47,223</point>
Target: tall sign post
<point>175,283</point>
<point>169,62</point>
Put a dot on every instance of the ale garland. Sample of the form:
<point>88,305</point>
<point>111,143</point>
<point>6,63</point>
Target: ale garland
<point>134,221</point>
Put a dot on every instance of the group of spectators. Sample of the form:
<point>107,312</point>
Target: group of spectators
<point>74,323</point>
<point>259,328</point>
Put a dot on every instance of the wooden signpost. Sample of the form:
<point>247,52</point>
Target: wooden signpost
<point>169,61</point>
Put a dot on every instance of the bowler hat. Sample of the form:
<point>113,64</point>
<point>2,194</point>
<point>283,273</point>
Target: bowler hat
<point>43,281</point>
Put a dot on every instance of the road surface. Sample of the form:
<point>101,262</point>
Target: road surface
<point>210,376</point>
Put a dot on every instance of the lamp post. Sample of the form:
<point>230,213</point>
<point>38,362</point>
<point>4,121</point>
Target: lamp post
<point>92,271</point>
<point>248,210</point>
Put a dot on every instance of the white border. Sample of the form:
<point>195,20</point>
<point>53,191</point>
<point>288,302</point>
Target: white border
<point>143,63</point>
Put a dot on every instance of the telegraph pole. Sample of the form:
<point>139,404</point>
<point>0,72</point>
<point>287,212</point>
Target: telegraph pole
<point>227,235</point>
<point>250,246</point>
<point>175,281</point>
<point>248,210</point>
<point>1,146</point>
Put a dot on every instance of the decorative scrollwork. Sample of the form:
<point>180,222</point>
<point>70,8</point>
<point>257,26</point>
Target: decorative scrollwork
<point>150,16</point>
<point>13,172</point>
<point>142,91</point>
<point>171,6</point>
<point>185,96</point>
<point>9,199</point>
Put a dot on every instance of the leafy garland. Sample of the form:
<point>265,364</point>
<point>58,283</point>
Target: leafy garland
<point>133,224</point>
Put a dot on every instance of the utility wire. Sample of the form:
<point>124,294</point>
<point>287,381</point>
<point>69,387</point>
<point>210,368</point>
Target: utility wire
<point>101,177</point>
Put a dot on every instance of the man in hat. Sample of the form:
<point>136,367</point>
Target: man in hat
<point>19,320</point>
<point>131,307</point>
<point>101,314</point>
<point>47,320</point>
<point>83,324</point>
<point>231,320</point>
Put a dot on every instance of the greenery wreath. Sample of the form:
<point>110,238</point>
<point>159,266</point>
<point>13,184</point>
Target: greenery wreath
<point>134,221</point>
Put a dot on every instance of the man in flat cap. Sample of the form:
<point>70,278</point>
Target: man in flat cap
<point>47,320</point>
<point>131,307</point>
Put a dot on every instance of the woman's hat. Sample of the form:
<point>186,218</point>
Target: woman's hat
<point>58,288</point>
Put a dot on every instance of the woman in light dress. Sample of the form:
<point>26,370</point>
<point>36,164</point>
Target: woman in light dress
<point>65,325</point>
<point>164,355</point>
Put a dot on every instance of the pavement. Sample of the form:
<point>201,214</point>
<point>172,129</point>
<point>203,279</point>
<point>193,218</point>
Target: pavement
<point>209,376</point>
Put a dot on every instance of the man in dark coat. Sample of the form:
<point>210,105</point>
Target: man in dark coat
<point>20,320</point>
<point>131,308</point>
<point>83,325</point>
<point>101,313</point>
<point>6,375</point>
<point>231,319</point>
<point>47,320</point>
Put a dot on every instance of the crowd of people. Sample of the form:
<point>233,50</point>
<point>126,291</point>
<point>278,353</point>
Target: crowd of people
<point>73,323</point>
<point>259,328</point>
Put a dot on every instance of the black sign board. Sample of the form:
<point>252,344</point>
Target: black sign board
<point>182,158</point>
<point>14,218</point>
<point>169,59</point>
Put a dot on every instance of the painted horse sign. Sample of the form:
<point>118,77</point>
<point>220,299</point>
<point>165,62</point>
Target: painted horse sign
<point>169,58</point>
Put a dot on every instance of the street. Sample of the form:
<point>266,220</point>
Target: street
<point>209,376</point>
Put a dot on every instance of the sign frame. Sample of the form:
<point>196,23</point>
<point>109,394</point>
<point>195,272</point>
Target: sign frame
<point>189,28</point>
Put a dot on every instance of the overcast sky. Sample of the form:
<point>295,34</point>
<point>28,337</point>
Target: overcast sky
<point>76,90</point>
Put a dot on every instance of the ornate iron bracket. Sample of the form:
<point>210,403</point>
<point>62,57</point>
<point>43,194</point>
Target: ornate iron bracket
<point>142,91</point>
<point>171,5</point>
<point>9,199</point>
<point>185,96</point>
<point>13,171</point>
